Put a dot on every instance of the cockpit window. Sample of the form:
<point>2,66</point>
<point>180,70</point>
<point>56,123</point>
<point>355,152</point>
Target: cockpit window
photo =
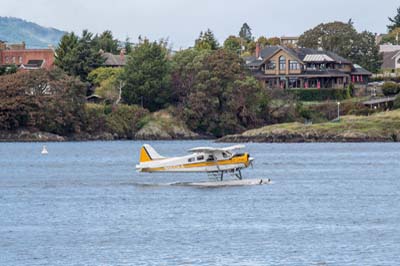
<point>200,158</point>
<point>210,158</point>
<point>225,155</point>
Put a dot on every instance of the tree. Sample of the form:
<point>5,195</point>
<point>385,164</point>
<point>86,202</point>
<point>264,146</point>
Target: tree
<point>223,97</point>
<point>263,41</point>
<point>106,42</point>
<point>206,41</point>
<point>128,46</point>
<point>46,100</point>
<point>395,21</point>
<point>337,37</point>
<point>274,41</point>
<point>147,75</point>
<point>78,56</point>
<point>342,39</point>
<point>108,82</point>
<point>366,52</point>
<point>233,44</point>
<point>393,37</point>
<point>245,33</point>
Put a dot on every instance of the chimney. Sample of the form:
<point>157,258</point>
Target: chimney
<point>258,54</point>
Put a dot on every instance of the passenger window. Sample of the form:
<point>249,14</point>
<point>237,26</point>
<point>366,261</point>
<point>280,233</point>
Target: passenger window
<point>200,158</point>
<point>210,158</point>
<point>225,155</point>
<point>191,160</point>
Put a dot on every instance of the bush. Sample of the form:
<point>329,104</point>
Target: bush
<point>124,120</point>
<point>95,118</point>
<point>390,88</point>
<point>311,95</point>
<point>396,104</point>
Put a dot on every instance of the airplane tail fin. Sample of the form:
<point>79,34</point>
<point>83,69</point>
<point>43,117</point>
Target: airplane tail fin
<point>147,154</point>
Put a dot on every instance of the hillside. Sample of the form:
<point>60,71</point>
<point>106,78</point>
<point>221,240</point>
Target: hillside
<point>15,30</point>
<point>383,127</point>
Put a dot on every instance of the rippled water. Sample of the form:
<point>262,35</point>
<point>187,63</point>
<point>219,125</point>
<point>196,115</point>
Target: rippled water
<point>329,204</point>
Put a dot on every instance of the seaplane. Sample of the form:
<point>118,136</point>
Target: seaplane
<point>216,162</point>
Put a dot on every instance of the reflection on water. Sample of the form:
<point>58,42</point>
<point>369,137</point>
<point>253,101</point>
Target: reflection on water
<point>84,204</point>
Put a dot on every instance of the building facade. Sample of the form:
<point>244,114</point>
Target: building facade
<point>286,68</point>
<point>17,54</point>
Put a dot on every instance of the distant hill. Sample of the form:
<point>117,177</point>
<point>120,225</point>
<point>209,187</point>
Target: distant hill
<point>15,30</point>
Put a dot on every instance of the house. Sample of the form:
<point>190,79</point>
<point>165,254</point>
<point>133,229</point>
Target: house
<point>289,41</point>
<point>391,58</point>
<point>284,67</point>
<point>112,60</point>
<point>19,55</point>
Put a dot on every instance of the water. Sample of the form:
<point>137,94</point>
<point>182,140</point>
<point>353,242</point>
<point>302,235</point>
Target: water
<point>329,204</point>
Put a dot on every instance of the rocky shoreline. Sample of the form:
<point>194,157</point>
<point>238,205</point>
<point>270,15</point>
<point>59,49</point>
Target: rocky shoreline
<point>309,137</point>
<point>25,135</point>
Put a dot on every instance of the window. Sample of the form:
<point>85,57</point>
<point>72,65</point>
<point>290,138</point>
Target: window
<point>7,60</point>
<point>210,158</point>
<point>282,63</point>
<point>271,65</point>
<point>294,65</point>
<point>200,158</point>
<point>20,59</point>
<point>190,160</point>
<point>13,59</point>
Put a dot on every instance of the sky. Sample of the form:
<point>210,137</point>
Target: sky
<point>182,20</point>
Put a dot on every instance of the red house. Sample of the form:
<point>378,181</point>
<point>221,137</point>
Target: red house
<point>26,58</point>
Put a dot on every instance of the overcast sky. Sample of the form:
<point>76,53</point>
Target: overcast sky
<point>182,20</point>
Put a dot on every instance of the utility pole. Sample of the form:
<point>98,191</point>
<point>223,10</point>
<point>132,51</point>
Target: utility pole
<point>338,111</point>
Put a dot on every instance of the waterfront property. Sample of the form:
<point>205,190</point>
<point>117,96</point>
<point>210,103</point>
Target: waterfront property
<point>284,67</point>
<point>23,58</point>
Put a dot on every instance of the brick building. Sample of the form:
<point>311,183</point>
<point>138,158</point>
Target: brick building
<point>17,54</point>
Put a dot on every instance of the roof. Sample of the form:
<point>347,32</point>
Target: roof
<point>114,60</point>
<point>384,48</point>
<point>33,64</point>
<point>317,58</point>
<point>358,70</point>
<point>302,54</point>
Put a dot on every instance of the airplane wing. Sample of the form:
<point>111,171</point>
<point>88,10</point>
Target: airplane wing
<point>212,150</point>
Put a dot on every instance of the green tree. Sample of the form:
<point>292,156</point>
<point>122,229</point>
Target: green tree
<point>108,83</point>
<point>206,41</point>
<point>395,21</point>
<point>128,46</point>
<point>233,44</point>
<point>147,75</point>
<point>245,33</point>
<point>337,37</point>
<point>366,52</point>
<point>393,37</point>
<point>263,41</point>
<point>223,98</point>
<point>106,42</point>
<point>78,56</point>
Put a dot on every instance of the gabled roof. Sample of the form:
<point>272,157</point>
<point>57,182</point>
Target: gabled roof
<point>114,60</point>
<point>300,54</point>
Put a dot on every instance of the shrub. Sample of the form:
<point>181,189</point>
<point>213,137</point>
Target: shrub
<point>310,95</point>
<point>124,120</point>
<point>95,118</point>
<point>390,88</point>
<point>396,104</point>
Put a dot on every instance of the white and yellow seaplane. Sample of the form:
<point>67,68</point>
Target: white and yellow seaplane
<point>214,161</point>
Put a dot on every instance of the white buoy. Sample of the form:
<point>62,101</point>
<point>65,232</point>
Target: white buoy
<point>44,150</point>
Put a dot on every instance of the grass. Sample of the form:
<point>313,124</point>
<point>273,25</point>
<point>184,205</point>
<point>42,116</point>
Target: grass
<point>379,124</point>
